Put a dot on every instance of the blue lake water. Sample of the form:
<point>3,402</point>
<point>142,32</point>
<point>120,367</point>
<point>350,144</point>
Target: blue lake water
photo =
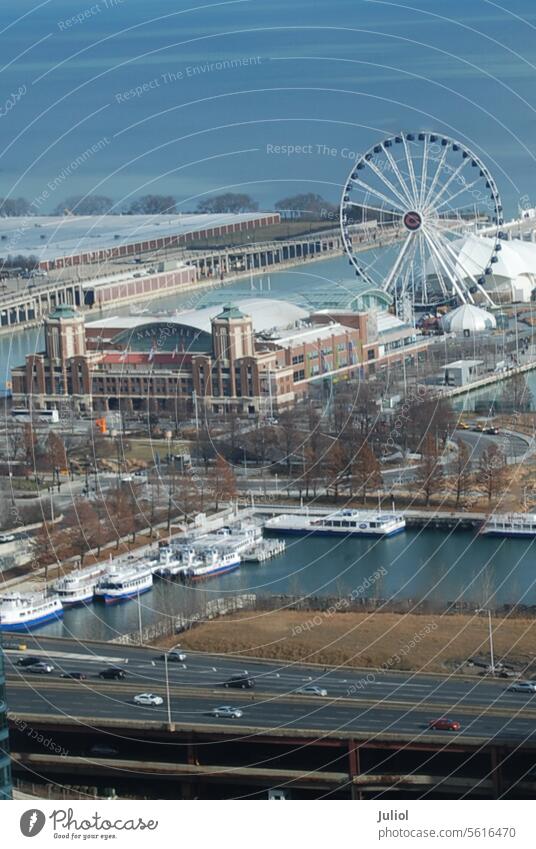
<point>191,100</point>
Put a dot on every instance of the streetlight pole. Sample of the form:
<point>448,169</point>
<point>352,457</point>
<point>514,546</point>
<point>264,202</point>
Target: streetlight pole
<point>168,697</point>
<point>166,675</point>
<point>492,655</point>
<point>139,621</point>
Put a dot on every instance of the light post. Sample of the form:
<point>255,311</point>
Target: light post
<point>140,633</point>
<point>166,675</point>
<point>168,435</point>
<point>490,631</point>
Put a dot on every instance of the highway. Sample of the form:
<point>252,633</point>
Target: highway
<point>356,701</point>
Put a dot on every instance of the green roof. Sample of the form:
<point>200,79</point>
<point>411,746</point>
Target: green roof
<point>230,311</point>
<point>63,311</point>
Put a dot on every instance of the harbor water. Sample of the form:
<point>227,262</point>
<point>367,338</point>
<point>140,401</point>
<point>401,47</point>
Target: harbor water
<point>425,565</point>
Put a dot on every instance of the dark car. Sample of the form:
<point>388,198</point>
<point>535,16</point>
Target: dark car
<point>103,750</point>
<point>113,672</point>
<point>242,682</point>
<point>492,431</point>
<point>28,661</point>
<point>445,724</point>
<point>76,676</point>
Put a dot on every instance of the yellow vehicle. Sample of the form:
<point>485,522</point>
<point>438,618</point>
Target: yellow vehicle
<point>462,426</point>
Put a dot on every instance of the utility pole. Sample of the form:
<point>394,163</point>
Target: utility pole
<point>139,621</point>
<point>490,637</point>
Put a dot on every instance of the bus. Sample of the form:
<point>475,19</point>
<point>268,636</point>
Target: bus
<point>23,414</point>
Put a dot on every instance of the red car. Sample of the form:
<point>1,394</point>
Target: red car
<point>444,724</point>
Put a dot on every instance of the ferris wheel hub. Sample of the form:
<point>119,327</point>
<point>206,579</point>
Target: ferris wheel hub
<point>412,221</point>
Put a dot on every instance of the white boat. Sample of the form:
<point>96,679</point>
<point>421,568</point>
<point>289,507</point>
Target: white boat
<point>22,611</point>
<point>510,525</point>
<point>340,523</point>
<point>122,584</point>
<point>215,561</point>
<point>78,587</point>
<point>174,562</point>
<point>240,539</point>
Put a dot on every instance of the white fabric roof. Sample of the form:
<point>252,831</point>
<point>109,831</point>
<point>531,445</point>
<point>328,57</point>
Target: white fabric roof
<point>266,314</point>
<point>468,318</point>
<point>51,236</point>
<point>514,273</point>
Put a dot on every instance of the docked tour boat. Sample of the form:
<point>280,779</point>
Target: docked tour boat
<point>78,587</point>
<point>22,611</point>
<point>122,584</point>
<point>341,523</point>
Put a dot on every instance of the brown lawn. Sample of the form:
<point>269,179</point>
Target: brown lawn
<point>430,642</point>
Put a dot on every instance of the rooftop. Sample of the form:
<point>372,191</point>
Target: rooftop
<point>49,237</point>
<point>64,311</point>
<point>266,314</point>
<point>463,364</point>
<point>309,334</point>
<point>230,311</point>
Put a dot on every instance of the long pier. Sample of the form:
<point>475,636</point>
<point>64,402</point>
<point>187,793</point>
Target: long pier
<point>213,267</point>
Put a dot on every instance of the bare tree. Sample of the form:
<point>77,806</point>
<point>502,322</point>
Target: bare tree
<point>335,467</point>
<point>120,513</point>
<point>462,476</point>
<point>289,435</point>
<point>222,482</point>
<point>56,452</point>
<point>50,544</point>
<point>365,470</point>
<point>187,496</point>
<point>153,205</point>
<point>228,202</point>
<point>85,527</point>
<point>492,471</point>
<point>85,205</point>
<point>30,443</point>
<point>14,207</point>
<point>430,475</point>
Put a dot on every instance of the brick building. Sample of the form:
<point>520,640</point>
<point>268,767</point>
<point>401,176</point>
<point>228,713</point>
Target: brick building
<point>256,356</point>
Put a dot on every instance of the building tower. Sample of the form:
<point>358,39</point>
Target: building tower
<point>5,761</point>
<point>65,339</point>
<point>64,334</point>
<point>232,340</point>
<point>232,334</point>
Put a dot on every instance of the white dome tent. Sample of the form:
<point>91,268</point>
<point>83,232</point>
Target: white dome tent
<point>467,320</point>
<point>513,276</point>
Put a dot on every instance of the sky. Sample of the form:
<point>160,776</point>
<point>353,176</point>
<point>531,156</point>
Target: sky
<point>267,97</point>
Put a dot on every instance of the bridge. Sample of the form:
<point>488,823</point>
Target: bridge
<point>368,737</point>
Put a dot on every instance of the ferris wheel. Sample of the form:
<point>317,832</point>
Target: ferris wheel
<point>420,218</point>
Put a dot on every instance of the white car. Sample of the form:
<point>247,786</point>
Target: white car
<point>523,687</point>
<point>227,711</point>
<point>40,668</point>
<point>312,690</point>
<point>148,699</point>
<point>7,537</point>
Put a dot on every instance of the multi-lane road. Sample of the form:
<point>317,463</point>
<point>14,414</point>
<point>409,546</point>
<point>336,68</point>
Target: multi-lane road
<point>357,701</point>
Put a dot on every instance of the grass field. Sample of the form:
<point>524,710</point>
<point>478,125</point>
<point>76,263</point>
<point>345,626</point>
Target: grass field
<point>431,642</point>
